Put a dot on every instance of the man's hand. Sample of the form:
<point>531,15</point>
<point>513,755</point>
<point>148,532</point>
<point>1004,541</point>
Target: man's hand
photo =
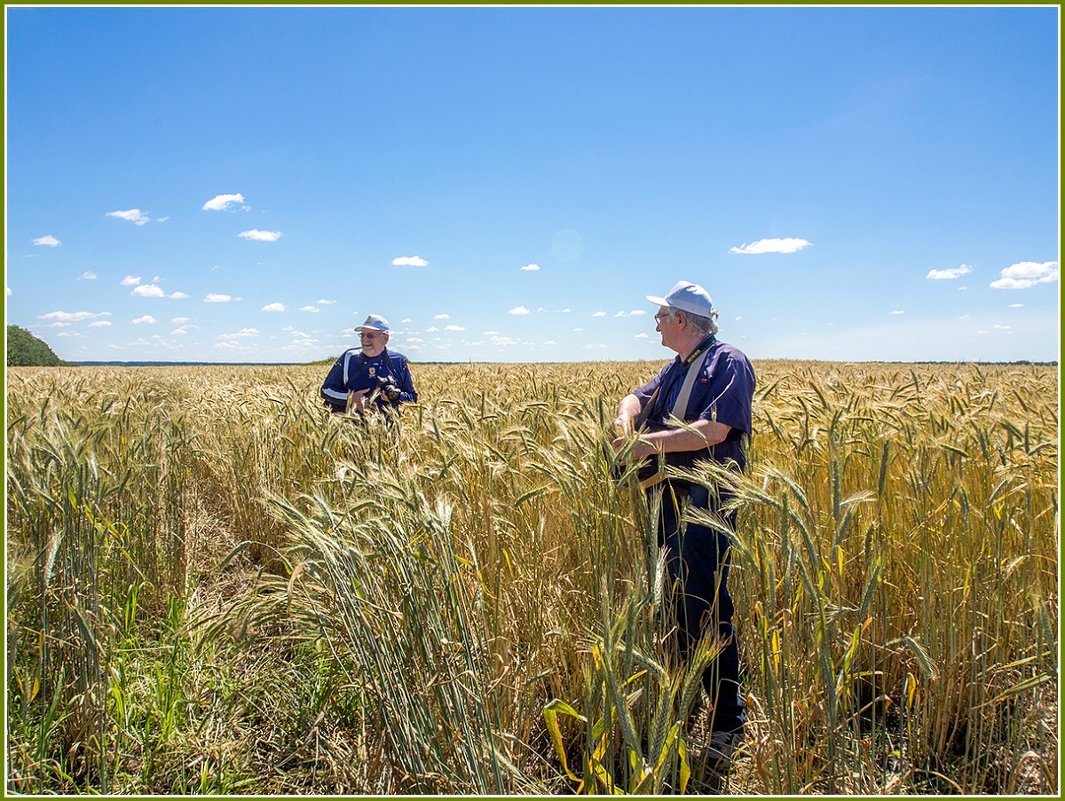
<point>641,450</point>
<point>358,400</point>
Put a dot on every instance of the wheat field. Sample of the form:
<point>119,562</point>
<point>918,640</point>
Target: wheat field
<point>213,586</point>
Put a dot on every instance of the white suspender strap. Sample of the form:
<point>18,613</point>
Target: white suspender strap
<point>680,408</point>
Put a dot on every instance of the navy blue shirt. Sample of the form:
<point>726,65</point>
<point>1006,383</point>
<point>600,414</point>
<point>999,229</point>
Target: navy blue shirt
<point>353,371</point>
<point>723,391</point>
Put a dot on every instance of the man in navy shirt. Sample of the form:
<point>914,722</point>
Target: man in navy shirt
<point>369,375</point>
<point>710,386</point>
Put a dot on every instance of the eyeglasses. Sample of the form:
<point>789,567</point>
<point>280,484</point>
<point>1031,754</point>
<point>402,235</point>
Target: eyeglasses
<point>663,316</point>
<point>368,335</point>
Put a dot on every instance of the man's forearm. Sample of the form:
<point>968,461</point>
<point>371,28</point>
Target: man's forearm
<point>628,410</point>
<point>696,436</point>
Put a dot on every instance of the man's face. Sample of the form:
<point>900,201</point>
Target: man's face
<point>373,342</point>
<point>669,326</point>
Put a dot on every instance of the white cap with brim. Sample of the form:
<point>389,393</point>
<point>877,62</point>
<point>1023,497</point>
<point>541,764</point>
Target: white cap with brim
<point>374,322</point>
<point>687,297</point>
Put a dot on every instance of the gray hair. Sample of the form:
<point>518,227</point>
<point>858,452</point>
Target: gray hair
<point>704,325</point>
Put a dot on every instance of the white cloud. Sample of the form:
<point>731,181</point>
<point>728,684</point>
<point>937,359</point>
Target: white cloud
<point>325,302</point>
<point>180,320</point>
<point>599,314</point>
<point>641,335</point>
<point>431,329</point>
<point>300,342</point>
<point>1003,327</point>
<point>223,202</point>
<point>244,332</point>
<point>260,236</point>
<point>442,317</point>
<point>313,309</point>
<point>273,307</point>
<point>148,291</point>
<point>100,324</point>
<point>135,216</point>
<point>897,311</point>
<point>130,280</point>
<point>633,313</point>
<point>949,274</point>
<point>178,332</point>
<point>71,317</point>
<point>520,311</point>
<point>217,298</point>
<point>530,268</point>
<point>145,320</point>
<point>786,245</point>
<point>1016,305</point>
<point>409,261</point>
<point>178,295</point>
<point>1025,274</point>
<point>47,241</point>
<point>87,276</point>
<point>454,328</point>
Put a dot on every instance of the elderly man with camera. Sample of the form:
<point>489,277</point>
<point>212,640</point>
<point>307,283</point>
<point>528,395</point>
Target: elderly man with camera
<point>370,376</point>
<point>698,407</point>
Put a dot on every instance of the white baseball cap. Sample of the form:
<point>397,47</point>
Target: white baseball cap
<point>374,322</point>
<point>687,297</point>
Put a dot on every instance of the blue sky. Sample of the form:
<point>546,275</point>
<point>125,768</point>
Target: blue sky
<point>508,184</point>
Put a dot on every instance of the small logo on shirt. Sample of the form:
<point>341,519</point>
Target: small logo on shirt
<point>373,372</point>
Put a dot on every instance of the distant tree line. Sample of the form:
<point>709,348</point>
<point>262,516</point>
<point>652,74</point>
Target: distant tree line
<point>24,349</point>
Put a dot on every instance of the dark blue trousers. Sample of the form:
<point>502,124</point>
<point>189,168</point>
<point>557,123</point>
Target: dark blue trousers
<point>698,562</point>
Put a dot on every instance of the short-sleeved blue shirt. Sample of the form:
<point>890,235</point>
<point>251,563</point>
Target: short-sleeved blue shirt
<point>723,391</point>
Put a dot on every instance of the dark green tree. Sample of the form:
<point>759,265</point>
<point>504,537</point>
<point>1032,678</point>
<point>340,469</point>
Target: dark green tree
<point>24,349</point>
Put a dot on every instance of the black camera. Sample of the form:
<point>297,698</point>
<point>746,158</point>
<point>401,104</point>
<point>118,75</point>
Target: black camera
<point>387,386</point>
